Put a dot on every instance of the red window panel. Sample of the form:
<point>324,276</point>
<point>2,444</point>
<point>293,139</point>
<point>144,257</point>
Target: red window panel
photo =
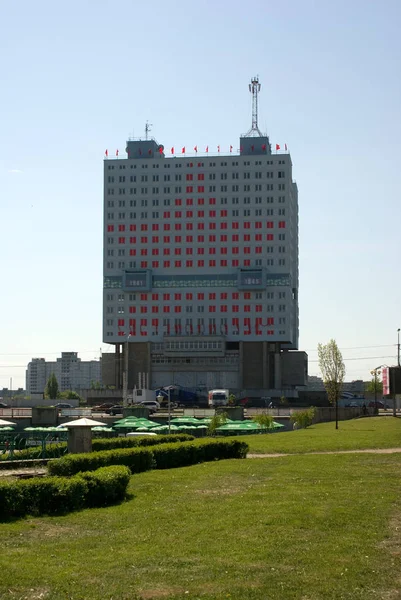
<point>235,225</point>
<point>258,308</point>
<point>201,296</point>
<point>189,189</point>
<point>143,328</point>
<point>270,320</point>
<point>247,237</point>
<point>269,224</point>
<point>178,214</point>
<point>188,296</point>
<point>258,325</point>
<point>223,263</point>
<point>177,251</point>
<point>177,263</point>
<point>144,297</point>
<point>155,227</point>
<point>178,202</point>
<point>132,227</point>
<point>121,228</point>
<point>189,238</point>
<point>166,297</point>
<point>223,225</point>
<point>189,226</point>
<point>235,323</point>
<point>177,328</point>
<point>166,251</point>
<point>247,250</point>
<point>121,240</point>
<point>155,239</point>
<point>212,309</point>
<point>189,177</point>
<point>155,264</point>
<point>201,201</point>
<point>166,239</point>
<point>166,226</point>
<point>247,262</point>
<point>212,263</point>
<point>201,263</point>
<point>247,326</point>
<point>201,226</point>
<point>189,214</point>
<point>200,250</point>
<point>144,309</point>
<point>212,238</point>
<point>281,224</point>
<point>177,296</point>
<point>110,227</point>
<point>132,326</point>
<point>212,225</point>
<point>235,250</point>
<point>201,177</point>
<point>270,237</point>
<point>212,200</point>
<point>166,214</point>
<point>212,213</point>
<point>155,323</point>
<point>223,296</point>
<point>166,309</point>
<point>212,296</point>
<point>258,249</point>
<point>155,309</point>
<point>247,225</point>
<point>144,240</point>
<point>201,238</point>
<point>201,214</point>
<point>121,322</point>
<point>235,295</point>
<point>235,237</point>
<point>223,308</point>
<point>178,239</point>
<point>223,250</point>
<point>247,308</point>
<point>189,263</point>
<point>189,251</point>
<point>144,264</point>
<point>132,252</point>
<point>201,189</point>
<point>155,297</point>
<point>223,213</point>
<point>177,227</point>
<point>212,250</point>
<point>177,309</point>
<point>189,202</point>
<point>258,225</point>
<point>144,227</point>
<point>235,308</point>
<point>224,237</point>
<point>258,237</point>
<point>166,264</point>
<point>155,251</point>
<point>235,262</point>
<point>132,309</point>
<point>247,295</point>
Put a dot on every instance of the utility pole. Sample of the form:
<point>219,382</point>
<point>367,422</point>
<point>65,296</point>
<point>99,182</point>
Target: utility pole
<point>398,347</point>
<point>125,375</point>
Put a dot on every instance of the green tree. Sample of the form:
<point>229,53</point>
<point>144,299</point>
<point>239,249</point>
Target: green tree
<point>51,389</point>
<point>216,421</point>
<point>71,395</point>
<point>264,420</point>
<point>303,418</point>
<point>374,386</point>
<point>333,371</point>
<point>232,399</point>
<point>283,400</point>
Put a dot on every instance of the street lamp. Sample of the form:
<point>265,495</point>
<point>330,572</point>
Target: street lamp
<point>375,372</point>
<point>398,347</point>
<point>160,399</point>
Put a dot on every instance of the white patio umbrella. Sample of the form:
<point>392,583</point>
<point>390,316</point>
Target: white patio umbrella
<point>6,423</point>
<point>84,422</point>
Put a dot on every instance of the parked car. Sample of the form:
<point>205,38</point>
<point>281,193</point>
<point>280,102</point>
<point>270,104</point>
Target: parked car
<point>153,405</point>
<point>102,407</point>
<point>63,405</point>
<point>3,405</point>
<point>117,409</point>
<point>379,404</point>
<point>135,433</point>
<point>352,405</point>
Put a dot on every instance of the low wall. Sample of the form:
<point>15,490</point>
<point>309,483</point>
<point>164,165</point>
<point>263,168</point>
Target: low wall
<point>325,414</point>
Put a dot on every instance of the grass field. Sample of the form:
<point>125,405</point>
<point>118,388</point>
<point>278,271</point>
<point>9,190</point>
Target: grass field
<point>372,432</point>
<point>311,527</point>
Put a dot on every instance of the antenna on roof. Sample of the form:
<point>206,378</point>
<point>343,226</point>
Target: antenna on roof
<point>254,88</point>
<point>147,129</point>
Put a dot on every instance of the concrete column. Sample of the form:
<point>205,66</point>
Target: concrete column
<point>79,440</point>
<point>265,367</point>
<point>117,369</point>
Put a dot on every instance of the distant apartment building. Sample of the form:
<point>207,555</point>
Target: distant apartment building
<point>71,372</point>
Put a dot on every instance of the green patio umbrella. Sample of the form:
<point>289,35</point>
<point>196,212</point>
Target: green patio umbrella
<point>6,429</point>
<point>98,428</point>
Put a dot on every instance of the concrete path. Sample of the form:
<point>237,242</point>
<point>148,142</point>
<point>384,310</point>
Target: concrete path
<point>366,451</point>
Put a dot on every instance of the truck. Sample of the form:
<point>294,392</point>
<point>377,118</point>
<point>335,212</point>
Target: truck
<point>218,397</point>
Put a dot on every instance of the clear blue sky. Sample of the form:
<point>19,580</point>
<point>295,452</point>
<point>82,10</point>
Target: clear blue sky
<point>80,77</point>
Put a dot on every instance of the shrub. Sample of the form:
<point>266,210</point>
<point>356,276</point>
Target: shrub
<point>264,420</point>
<point>57,495</point>
<point>137,459</point>
<point>303,418</point>
<point>131,442</point>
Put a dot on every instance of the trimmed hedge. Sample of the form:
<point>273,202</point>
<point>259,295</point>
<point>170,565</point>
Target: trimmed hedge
<point>164,456</point>
<point>132,442</point>
<point>58,495</point>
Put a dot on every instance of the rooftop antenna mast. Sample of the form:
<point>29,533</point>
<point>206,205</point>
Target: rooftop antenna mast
<point>147,129</point>
<point>254,88</point>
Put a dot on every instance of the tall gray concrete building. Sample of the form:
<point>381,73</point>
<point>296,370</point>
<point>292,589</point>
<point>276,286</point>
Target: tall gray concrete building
<point>201,267</point>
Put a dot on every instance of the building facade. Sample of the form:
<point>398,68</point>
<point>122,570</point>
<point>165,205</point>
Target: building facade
<point>71,372</point>
<point>201,267</point>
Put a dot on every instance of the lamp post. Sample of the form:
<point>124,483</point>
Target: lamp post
<point>375,372</point>
<point>398,347</point>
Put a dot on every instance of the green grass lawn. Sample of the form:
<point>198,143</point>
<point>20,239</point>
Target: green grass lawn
<point>372,432</point>
<point>298,527</point>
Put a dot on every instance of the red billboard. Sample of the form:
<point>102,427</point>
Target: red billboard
<point>386,381</point>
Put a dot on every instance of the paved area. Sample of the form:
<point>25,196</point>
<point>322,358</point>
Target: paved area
<point>365,451</point>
